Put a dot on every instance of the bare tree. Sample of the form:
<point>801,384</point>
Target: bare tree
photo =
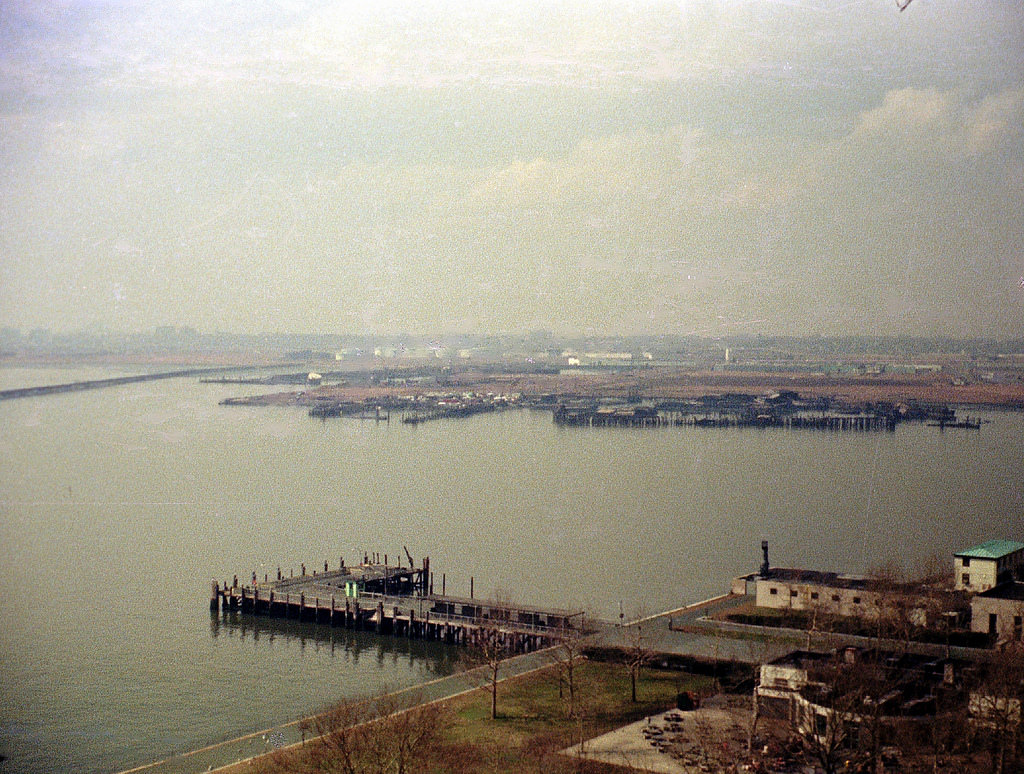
<point>490,644</point>
<point>637,655</point>
<point>375,736</point>
<point>831,714</point>
<point>996,706</point>
<point>567,655</point>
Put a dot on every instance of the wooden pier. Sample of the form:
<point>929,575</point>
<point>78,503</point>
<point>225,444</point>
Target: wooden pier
<point>609,416</point>
<point>833,422</point>
<point>394,600</point>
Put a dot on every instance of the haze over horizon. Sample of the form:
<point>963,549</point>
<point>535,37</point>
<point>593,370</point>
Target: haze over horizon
<point>786,167</point>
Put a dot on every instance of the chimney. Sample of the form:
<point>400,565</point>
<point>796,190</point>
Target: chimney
<point>765,567</point>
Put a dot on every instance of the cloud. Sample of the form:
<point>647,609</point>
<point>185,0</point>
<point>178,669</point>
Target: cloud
<point>907,110</point>
<point>640,166</point>
<point>942,120</point>
<point>994,119</point>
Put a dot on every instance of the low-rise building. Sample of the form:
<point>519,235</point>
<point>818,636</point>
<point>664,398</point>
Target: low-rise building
<point>999,612</point>
<point>805,687</point>
<point>987,565</point>
<point>851,596</point>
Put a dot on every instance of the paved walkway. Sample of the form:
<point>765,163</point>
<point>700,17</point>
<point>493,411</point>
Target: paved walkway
<point>232,751</point>
<point>688,632</point>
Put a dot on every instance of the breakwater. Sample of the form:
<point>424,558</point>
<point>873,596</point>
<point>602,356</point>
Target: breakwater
<point>117,381</point>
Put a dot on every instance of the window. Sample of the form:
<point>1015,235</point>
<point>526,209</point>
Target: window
<point>774,592</point>
<point>967,561</point>
<point>835,597</point>
<point>965,579</point>
<point>792,592</point>
<point>856,600</point>
<point>814,595</point>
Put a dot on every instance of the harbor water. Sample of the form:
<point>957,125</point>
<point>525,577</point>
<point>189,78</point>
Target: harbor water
<point>119,506</point>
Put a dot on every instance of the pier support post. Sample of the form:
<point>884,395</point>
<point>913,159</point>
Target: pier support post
<point>214,597</point>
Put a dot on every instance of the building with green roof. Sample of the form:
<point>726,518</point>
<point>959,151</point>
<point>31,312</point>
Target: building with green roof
<point>987,565</point>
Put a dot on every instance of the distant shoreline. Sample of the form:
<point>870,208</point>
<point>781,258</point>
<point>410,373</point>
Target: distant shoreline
<point>655,383</point>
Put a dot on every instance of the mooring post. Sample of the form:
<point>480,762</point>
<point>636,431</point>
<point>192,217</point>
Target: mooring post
<point>470,586</point>
<point>443,577</point>
<point>214,597</point>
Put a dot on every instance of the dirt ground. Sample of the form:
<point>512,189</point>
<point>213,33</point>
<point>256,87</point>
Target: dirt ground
<point>710,738</point>
<point>691,384</point>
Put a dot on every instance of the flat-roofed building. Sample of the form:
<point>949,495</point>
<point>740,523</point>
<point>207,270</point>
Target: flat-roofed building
<point>999,612</point>
<point>987,565</point>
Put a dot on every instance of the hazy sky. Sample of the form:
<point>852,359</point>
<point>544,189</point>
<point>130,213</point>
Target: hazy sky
<point>776,166</point>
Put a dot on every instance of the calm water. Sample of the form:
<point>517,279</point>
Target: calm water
<point>118,506</point>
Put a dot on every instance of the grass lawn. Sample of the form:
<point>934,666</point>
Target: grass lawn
<point>533,723</point>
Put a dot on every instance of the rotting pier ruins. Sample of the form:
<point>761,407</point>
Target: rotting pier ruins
<point>395,600</point>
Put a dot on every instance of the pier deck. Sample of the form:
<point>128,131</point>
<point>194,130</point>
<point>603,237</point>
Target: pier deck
<point>395,600</point>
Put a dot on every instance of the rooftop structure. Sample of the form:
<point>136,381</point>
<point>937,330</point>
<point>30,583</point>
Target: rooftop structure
<point>992,549</point>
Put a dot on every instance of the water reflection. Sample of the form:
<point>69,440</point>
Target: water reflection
<point>384,650</point>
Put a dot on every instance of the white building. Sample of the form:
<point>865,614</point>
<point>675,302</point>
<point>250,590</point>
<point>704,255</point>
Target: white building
<point>1000,612</point>
<point>987,565</point>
